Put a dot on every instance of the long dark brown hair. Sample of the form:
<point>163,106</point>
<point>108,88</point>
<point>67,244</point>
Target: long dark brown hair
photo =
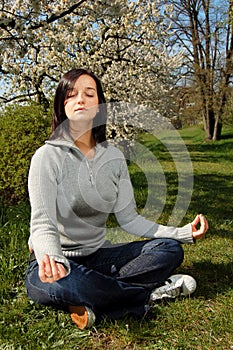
<point>65,85</point>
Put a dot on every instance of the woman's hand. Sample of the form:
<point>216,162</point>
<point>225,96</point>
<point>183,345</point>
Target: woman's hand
<point>50,270</point>
<point>198,233</point>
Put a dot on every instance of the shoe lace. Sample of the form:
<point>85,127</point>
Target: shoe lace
<point>168,289</point>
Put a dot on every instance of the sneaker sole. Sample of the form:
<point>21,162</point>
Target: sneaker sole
<point>82,316</point>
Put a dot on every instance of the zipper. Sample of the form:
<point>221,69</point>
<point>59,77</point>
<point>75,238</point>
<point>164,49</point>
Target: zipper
<point>91,178</point>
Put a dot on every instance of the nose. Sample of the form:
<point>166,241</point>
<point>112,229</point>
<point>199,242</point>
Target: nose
<point>80,98</point>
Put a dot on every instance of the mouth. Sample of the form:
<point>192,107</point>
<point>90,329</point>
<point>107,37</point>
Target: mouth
<point>80,109</point>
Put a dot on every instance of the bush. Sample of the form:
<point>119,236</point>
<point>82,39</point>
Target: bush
<point>23,130</point>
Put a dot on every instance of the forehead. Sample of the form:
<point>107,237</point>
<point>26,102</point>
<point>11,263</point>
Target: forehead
<point>84,82</point>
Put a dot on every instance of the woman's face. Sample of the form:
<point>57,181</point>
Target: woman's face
<point>81,103</point>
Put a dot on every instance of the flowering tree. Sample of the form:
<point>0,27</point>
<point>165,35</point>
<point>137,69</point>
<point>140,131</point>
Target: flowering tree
<point>32,44</point>
<point>122,42</point>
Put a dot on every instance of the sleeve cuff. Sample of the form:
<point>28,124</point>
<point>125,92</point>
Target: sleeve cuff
<point>185,234</point>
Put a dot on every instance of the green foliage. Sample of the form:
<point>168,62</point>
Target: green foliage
<point>23,130</point>
<point>202,322</point>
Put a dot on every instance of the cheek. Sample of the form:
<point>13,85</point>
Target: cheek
<point>93,107</point>
<point>92,112</point>
<point>67,110</point>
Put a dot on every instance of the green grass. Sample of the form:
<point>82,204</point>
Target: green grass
<point>202,322</point>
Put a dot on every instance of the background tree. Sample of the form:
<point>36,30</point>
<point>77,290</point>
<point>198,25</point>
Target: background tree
<point>203,28</point>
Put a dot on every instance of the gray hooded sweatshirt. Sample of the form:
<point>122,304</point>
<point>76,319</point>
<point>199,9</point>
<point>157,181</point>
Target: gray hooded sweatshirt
<point>71,197</point>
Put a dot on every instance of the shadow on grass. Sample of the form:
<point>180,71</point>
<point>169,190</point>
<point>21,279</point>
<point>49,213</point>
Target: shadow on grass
<point>212,152</point>
<point>199,152</point>
<point>212,278</point>
<point>213,197</point>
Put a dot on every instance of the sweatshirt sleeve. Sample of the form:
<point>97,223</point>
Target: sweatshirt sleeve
<point>130,221</point>
<point>42,186</point>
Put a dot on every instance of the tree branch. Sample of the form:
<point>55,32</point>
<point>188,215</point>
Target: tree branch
<point>20,98</point>
<point>54,18</point>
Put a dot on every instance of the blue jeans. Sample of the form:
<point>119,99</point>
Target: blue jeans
<point>114,281</point>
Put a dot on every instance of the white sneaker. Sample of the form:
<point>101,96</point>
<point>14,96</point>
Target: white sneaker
<point>176,285</point>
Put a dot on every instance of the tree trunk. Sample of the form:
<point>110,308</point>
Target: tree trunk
<point>217,129</point>
<point>212,126</point>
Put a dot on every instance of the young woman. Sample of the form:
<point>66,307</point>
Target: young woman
<point>76,179</point>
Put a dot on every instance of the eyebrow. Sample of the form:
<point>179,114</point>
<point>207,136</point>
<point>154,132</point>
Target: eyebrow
<point>91,88</point>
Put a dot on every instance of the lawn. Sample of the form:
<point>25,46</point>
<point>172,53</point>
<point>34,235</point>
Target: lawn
<point>204,321</point>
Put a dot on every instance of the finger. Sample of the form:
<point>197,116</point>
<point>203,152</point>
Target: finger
<point>204,224</point>
<point>48,267</point>
<point>41,271</point>
<point>54,268</point>
<point>61,270</point>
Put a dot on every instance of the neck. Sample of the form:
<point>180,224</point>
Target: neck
<point>83,138</point>
<point>85,142</point>
<point>81,132</point>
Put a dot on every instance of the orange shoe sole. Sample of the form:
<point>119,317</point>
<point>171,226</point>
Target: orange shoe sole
<point>81,316</point>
